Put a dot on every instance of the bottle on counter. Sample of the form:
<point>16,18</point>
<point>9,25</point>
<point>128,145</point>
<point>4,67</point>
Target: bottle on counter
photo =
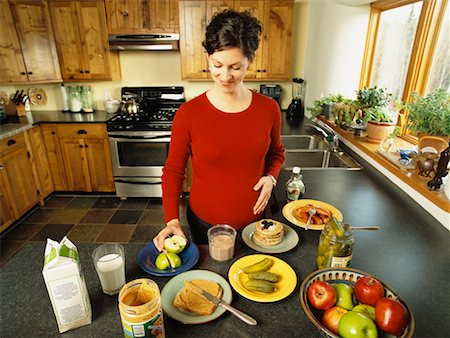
<point>295,188</point>
<point>65,99</point>
<point>87,99</point>
<point>335,245</point>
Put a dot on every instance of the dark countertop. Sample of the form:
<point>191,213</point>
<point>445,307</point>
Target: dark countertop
<point>410,253</point>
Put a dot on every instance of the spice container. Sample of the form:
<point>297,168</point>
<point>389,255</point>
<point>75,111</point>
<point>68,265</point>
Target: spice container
<point>335,245</point>
<point>87,99</point>
<point>140,309</point>
<point>74,99</point>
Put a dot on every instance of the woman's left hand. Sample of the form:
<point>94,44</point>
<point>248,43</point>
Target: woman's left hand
<point>265,185</point>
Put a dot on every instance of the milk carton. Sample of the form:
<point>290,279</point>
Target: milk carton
<point>66,285</point>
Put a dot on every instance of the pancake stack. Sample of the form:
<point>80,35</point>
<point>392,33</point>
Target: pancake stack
<point>268,232</point>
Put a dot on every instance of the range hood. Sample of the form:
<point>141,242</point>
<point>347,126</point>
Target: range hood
<point>144,41</point>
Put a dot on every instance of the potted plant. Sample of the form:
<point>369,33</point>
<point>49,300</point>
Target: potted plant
<point>319,106</point>
<point>345,112</point>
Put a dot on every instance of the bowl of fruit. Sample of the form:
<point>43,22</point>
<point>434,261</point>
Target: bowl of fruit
<point>349,303</point>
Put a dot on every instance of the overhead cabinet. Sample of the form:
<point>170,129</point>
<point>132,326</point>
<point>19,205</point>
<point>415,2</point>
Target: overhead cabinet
<point>142,16</point>
<point>272,61</point>
<point>27,47</point>
<point>82,40</point>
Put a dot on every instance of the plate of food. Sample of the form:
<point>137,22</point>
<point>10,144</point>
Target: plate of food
<point>181,303</point>
<point>297,212</point>
<point>262,278</point>
<point>175,262</point>
<point>270,236</point>
<point>386,312</point>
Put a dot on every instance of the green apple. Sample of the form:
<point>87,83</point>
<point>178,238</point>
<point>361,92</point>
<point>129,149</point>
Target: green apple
<point>162,262</point>
<point>175,244</point>
<point>356,325</point>
<point>365,309</point>
<point>344,296</point>
<point>174,259</point>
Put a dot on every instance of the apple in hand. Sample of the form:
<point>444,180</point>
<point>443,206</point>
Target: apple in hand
<point>356,325</point>
<point>344,296</point>
<point>321,295</point>
<point>331,318</point>
<point>365,309</point>
<point>391,316</point>
<point>368,290</point>
<point>175,244</point>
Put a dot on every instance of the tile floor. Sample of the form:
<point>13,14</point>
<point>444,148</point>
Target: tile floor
<point>88,219</point>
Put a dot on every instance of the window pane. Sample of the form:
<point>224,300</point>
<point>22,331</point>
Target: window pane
<point>393,48</point>
<point>440,69</point>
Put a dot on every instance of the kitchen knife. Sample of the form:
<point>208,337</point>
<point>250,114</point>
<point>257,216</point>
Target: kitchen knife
<point>15,96</point>
<point>241,315</point>
<point>19,98</point>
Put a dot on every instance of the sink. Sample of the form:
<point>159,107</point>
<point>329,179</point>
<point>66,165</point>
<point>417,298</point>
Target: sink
<point>294,142</point>
<point>316,159</point>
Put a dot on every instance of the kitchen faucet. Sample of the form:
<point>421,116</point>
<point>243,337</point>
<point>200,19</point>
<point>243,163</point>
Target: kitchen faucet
<point>329,134</point>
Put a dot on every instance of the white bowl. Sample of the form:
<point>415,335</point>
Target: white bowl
<point>111,105</point>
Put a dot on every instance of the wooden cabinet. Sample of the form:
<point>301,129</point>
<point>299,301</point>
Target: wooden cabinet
<point>81,39</point>
<point>27,47</point>
<point>19,188</point>
<point>6,211</point>
<point>272,60</point>
<point>142,16</point>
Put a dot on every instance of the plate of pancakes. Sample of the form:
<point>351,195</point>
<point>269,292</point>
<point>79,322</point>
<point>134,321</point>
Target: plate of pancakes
<point>297,212</point>
<point>270,236</point>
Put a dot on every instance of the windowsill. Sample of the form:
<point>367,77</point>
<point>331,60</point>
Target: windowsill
<point>408,180</point>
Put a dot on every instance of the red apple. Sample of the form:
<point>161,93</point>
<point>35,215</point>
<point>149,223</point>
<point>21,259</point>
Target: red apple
<point>321,295</point>
<point>368,290</point>
<point>391,316</point>
<point>331,318</point>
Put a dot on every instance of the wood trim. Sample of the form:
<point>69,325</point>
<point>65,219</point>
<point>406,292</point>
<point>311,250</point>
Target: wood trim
<point>412,179</point>
<point>369,50</point>
<point>384,5</point>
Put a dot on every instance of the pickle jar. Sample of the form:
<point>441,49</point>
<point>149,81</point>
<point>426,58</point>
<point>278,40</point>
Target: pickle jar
<point>335,245</point>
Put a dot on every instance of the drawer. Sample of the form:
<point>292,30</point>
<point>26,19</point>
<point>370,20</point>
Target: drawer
<point>10,144</point>
<point>82,130</point>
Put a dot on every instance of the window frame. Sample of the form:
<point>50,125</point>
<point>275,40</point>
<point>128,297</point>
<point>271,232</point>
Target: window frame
<point>424,46</point>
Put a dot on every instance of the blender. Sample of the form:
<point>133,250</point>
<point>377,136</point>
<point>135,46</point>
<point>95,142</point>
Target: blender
<point>296,109</point>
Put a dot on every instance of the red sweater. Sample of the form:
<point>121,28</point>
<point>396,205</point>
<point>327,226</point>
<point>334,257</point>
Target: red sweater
<point>230,152</point>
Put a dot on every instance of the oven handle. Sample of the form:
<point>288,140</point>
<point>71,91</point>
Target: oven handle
<point>137,182</point>
<point>159,138</point>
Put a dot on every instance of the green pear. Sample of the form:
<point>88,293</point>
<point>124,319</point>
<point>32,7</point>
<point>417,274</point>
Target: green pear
<point>344,296</point>
<point>365,309</point>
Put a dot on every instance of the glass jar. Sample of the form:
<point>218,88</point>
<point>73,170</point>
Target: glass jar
<point>74,99</point>
<point>141,310</point>
<point>87,99</point>
<point>335,245</point>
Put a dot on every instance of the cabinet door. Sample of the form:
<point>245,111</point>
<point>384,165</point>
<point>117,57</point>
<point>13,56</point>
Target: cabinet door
<point>19,181</point>
<point>127,17</point>
<point>164,16</point>
<point>276,40</point>
<point>54,157</point>
<point>75,164</point>
<point>12,66</point>
<point>6,210</point>
<point>99,162</point>
<point>67,38</point>
<point>32,21</point>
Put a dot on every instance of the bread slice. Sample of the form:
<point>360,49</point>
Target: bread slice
<point>190,300</point>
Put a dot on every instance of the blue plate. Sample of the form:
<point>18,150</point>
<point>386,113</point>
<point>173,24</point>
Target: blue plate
<point>146,260</point>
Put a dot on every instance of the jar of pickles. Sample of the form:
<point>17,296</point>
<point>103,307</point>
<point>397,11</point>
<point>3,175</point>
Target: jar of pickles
<point>335,245</point>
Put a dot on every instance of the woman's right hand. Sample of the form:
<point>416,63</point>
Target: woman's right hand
<point>173,227</point>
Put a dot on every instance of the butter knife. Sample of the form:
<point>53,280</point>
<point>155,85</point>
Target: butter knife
<point>218,302</point>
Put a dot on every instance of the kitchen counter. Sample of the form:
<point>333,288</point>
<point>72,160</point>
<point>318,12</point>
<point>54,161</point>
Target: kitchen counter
<point>39,117</point>
<point>410,253</point>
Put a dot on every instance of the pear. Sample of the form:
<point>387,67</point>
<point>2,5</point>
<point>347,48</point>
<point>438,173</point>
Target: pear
<point>344,296</point>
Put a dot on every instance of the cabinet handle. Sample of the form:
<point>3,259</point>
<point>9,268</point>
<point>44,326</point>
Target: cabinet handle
<point>30,73</point>
<point>86,146</point>
<point>53,133</point>
<point>23,73</point>
<point>87,72</point>
<point>125,13</point>
<point>264,71</point>
<point>259,70</point>
<point>81,72</point>
<point>204,70</point>
<point>81,146</point>
<point>81,131</point>
<point>11,142</point>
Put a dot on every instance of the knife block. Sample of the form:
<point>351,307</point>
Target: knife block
<point>13,109</point>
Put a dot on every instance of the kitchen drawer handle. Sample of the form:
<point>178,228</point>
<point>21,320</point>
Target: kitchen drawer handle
<point>11,142</point>
<point>23,73</point>
<point>87,72</point>
<point>30,73</point>
<point>82,131</point>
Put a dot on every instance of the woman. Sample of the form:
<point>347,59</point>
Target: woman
<point>232,135</point>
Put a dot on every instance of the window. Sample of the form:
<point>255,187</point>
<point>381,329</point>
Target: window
<point>407,47</point>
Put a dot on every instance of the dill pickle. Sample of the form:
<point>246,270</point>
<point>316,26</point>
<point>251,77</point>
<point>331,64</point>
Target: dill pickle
<point>264,275</point>
<point>262,265</point>
<point>259,286</point>
<point>336,226</point>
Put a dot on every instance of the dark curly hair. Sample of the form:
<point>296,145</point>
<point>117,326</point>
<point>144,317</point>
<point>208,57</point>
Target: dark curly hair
<point>230,29</point>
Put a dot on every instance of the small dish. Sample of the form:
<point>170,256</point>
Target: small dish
<point>348,276</point>
<point>283,288</point>
<point>290,240</point>
<point>147,256</point>
<point>38,96</point>
<point>174,285</point>
<point>291,206</point>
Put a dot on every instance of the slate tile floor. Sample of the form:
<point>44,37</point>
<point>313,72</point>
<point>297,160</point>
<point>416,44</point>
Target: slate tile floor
<point>88,219</point>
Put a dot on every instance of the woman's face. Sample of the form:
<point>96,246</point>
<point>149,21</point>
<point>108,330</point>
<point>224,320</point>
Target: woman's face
<point>228,68</point>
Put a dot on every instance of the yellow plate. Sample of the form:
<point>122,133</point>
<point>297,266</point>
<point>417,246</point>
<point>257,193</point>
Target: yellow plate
<point>291,206</point>
<point>283,288</point>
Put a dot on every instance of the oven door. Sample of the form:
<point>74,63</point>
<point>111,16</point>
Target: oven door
<point>139,153</point>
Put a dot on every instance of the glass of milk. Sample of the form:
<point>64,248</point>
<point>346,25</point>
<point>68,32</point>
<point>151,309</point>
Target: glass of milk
<point>109,261</point>
<point>221,240</point>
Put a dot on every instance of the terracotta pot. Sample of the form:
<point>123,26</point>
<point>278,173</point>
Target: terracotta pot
<point>377,131</point>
